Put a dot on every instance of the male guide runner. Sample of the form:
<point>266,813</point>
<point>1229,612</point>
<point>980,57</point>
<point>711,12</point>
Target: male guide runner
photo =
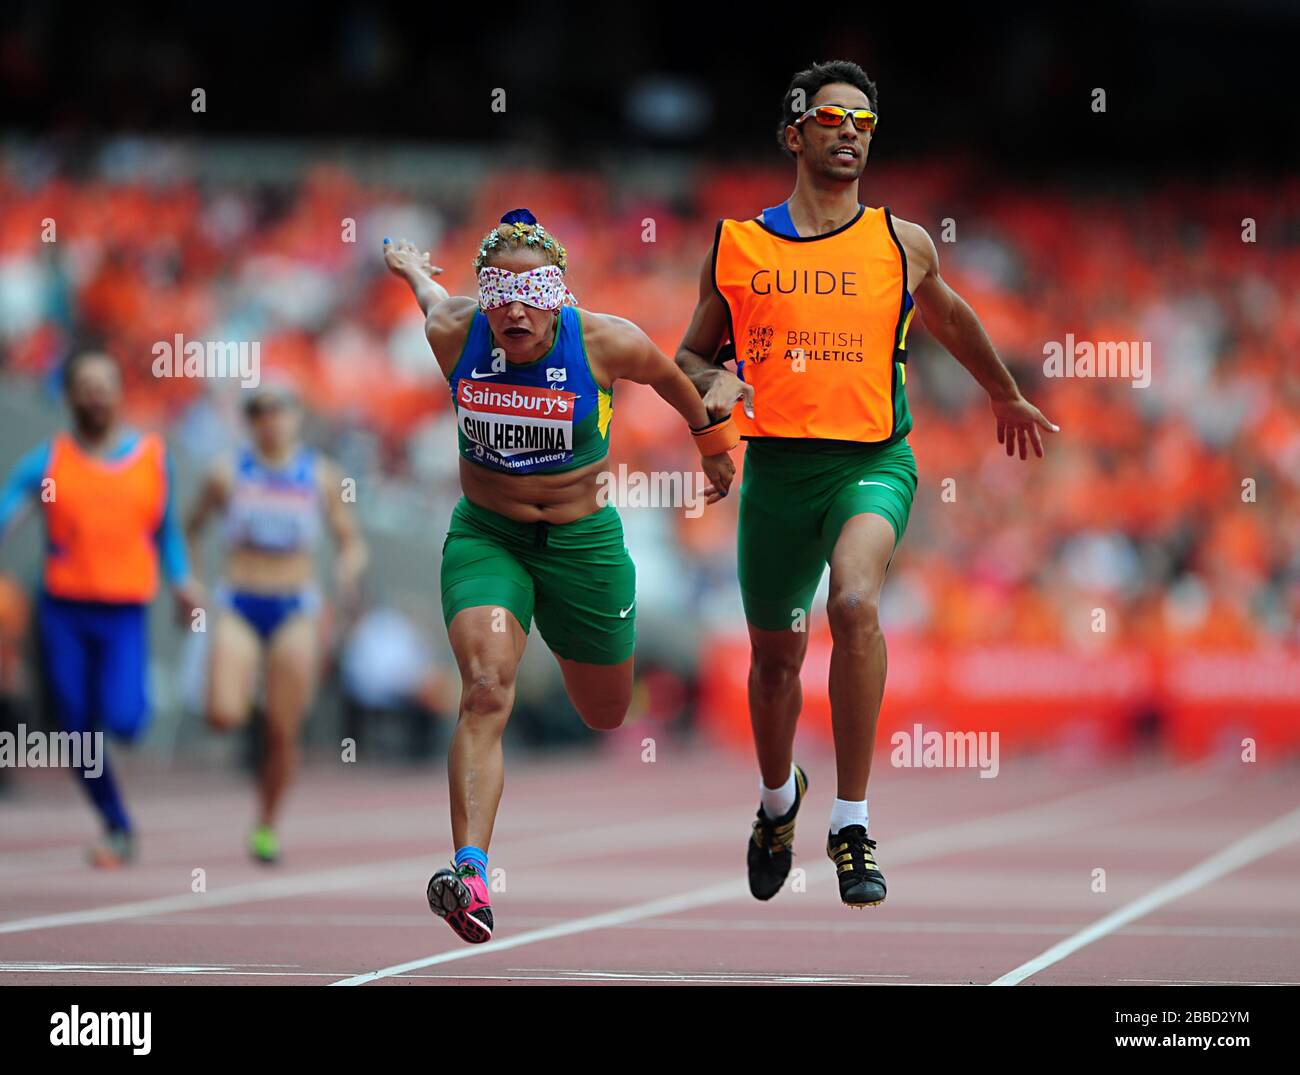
<point>107,496</point>
<point>816,296</point>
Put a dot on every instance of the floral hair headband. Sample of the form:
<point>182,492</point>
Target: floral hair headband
<point>542,288</point>
<point>519,228</point>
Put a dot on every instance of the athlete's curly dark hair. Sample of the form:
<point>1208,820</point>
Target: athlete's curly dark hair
<point>810,80</point>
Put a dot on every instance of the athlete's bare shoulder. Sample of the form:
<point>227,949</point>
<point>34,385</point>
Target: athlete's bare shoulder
<point>609,332</point>
<point>450,317</point>
<point>614,344</point>
<point>447,326</point>
<point>922,257</point>
<point>916,242</point>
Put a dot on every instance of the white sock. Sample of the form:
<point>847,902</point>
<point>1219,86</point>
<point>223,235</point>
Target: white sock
<point>847,812</point>
<point>777,801</point>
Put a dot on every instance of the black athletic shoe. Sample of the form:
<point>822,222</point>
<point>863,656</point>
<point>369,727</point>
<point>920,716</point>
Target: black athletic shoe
<point>853,852</point>
<point>770,845</point>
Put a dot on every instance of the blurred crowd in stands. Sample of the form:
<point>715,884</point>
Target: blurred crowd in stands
<point>1174,507</point>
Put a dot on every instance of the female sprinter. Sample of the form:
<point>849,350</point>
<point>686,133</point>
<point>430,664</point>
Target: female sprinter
<point>275,495</point>
<point>532,378</point>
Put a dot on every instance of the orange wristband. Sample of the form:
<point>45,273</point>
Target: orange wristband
<point>717,438</point>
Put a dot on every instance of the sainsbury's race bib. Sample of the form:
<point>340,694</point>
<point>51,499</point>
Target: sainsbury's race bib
<point>515,427</point>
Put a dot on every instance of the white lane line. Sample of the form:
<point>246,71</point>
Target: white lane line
<point>652,833</point>
<point>650,979</point>
<point>325,881</point>
<point>1197,981</point>
<point>651,908</point>
<point>167,840</point>
<point>143,968</point>
<point>523,976</point>
<point>686,976</point>
<point>1263,841</point>
<point>1080,808</point>
<point>295,919</point>
<point>162,970</point>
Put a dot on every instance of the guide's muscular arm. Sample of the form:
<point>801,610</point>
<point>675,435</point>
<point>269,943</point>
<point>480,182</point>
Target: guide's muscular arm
<point>708,331</point>
<point>954,324</point>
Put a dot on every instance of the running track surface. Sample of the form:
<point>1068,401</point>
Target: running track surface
<point>619,871</point>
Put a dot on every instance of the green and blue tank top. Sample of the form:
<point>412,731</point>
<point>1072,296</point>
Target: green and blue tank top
<point>538,417</point>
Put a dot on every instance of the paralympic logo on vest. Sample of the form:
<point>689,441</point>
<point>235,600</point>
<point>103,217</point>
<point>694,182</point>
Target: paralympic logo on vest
<point>804,282</point>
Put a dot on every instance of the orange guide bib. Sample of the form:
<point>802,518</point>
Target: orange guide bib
<point>819,324</point>
<point>101,517</point>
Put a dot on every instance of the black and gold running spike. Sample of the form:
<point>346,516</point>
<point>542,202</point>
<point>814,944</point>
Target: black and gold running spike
<point>853,852</point>
<point>771,845</point>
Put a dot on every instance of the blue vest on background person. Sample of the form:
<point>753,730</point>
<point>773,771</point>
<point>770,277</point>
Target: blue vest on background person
<point>275,509</point>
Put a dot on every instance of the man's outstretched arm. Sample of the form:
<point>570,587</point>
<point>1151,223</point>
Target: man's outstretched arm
<point>954,324</point>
